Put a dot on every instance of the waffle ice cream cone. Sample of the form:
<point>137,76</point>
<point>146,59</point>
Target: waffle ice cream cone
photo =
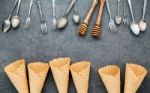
<point>111,78</point>
<point>16,72</point>
<point>37,75</point>
<point>80,73</point>
<point>60,71</point>
<point>134,76</point>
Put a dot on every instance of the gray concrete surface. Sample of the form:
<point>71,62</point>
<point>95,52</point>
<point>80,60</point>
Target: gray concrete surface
<point>112,48</point>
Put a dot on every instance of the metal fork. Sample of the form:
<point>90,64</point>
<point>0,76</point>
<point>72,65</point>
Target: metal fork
<point>125,17</point>
<point>112,25</point>
<point>43,22</point>
<point>28,18</point>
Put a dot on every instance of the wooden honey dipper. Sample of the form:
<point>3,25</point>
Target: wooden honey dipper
<point>83,26</point>
<point>96,31</point>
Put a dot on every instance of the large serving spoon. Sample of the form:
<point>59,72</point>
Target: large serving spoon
<point>15,21</point>
<point>6,23</point>
<point>134,25</point>
<point>62,22</point>
<point>142,23</point>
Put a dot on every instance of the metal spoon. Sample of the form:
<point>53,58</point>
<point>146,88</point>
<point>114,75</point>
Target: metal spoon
<point>15,21</point>
<point>133,26</point>
<point>62,22</point>
<point>29,14</point>
<point>76,17</point>
<point>118,18</point>
<point>142,23</point>
<point>6,23</point>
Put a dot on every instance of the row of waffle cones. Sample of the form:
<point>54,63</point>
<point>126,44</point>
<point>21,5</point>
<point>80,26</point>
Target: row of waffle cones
<point>37,72</point>
<point>60,67</point>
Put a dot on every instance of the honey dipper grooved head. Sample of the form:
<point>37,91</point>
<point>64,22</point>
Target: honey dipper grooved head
<point>82,29</point>
<point>96,31</point>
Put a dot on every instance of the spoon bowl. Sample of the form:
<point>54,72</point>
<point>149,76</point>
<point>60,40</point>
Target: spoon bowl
<point>76,18</point>
<point>118,19</point>
<point>142,25</point>
<point>135,28</point>
<point>15,21</point>
<point>62,22</point>
<point>6,25</point>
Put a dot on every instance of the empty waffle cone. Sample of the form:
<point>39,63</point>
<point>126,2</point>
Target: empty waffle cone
<point>60,71</point>
<point>111,78</point>
<point>37,75</point>
<point>82,29</point>
<point>80,72</point>
<point>16,72</point>
<point>96,31</point>
<point>134,77</point>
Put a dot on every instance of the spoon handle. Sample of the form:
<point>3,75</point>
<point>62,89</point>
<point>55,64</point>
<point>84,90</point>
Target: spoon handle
<point>144,8</point>
<point>119,6</point>
<point>100,12</point>
<point>13,9</point>
<point>18,7</point>
<point>87,19</point>
<point>70,6</point>
<point>130,6</point>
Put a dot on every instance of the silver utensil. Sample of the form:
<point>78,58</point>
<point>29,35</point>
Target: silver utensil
<point>43,22</point>
<point>112,25</point>
<point>62,22</point>
<point>142,23</point>
<point>125,17</point>
<point>76,17</point>
<point>54,14</point>
<point>118,18</point>
<point>133,26</point>
<point>15,21</point>
<point>6,23</point>
<point>29,14</point>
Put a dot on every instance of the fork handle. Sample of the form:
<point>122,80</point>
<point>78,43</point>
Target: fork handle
<point>40,9</point>
<point>100,12</point>
<point>108,8</point>
<point>88,16</point>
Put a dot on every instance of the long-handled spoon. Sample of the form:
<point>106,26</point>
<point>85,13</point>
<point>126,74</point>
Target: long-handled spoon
<point>6,23</point>
<point>54,15</point>
<point>82,29</point>
<point>76,17</point>
<point>133,26</point>
<point>96,31</point>
<point>62,22</point>
<point>15,21</point>
<point>142,23</point>
<point>43,22</point>
<point>118,18</point>
<point>28,18</point>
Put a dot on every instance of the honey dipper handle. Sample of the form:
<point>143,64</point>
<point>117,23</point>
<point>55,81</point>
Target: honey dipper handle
<point>87,19</point>
<point>98,21</point>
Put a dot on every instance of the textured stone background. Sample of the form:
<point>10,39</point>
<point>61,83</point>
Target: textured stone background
<point>112,48</point>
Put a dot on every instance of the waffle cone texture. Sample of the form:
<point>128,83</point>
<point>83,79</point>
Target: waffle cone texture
<point>80,73</point>
<point>110,76</point>
<point>60,70</point>
<point>133,77</point>
<point>16,72</point>
<point>37,75</point>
